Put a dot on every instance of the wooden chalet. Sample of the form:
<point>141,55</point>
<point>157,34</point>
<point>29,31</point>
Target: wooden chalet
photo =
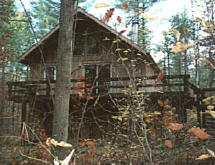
<point>104,64</point>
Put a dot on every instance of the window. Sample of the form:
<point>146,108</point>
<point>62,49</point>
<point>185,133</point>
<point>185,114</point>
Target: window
<point>103,75</point>
<point>93,45</point>
<point>79,46</point>
<point>50,73</point>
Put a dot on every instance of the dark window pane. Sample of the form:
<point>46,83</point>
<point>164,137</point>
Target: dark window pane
<point>93,46</point>
<point>79,46</point>
<point>50,73</point>
<point>104,78</point>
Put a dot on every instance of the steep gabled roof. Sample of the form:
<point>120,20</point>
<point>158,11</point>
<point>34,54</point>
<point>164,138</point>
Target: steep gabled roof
<point>79,10</point>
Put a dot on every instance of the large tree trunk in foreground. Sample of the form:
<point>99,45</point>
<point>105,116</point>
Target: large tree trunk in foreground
<point>63,85</point>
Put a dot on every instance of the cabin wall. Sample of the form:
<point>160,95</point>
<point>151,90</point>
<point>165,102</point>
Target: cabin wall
<point>104,53</point>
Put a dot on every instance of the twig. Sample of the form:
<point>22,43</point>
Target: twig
<point>29,157</point>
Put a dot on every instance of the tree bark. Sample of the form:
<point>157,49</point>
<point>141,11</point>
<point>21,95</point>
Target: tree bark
<point>63,85</point>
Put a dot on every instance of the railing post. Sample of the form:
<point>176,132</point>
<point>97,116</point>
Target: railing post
<point>185,95</point>
<point>9,90</point>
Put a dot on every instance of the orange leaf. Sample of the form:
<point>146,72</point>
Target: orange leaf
<point>80,77</point>
<point>122,31</point>
<point>81,94</point>
<point>108,15</point>
<point>119,19</point>
<point>175,126</point>
<point>200,133</point>
<point>81,84</point>
<point>125,5</point>
<point>160,103</point>
<point>160,77</point>
<point>168,143</point>
<point>166,102</point>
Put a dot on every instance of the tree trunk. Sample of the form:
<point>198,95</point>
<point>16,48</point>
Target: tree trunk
<point>63,85</point>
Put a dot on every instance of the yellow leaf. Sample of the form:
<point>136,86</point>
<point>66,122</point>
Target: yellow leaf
<point>117,118</point>
<point>124,59</point>
<point>100,5</point>
<point>198,19</point>
<point>210,107</point>
<point>150,19</point>
<point>106,39</point>
<point>204,156</point>
<point>118,49</point>
<point>64,144</point>
<point>179,47</point>
<point>116,41</point>
<point>51,141</point>
<point>212,113</point>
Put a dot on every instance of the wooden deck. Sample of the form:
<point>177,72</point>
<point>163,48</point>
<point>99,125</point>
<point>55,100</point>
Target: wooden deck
<point>182,93</point>
<point>115,86</point>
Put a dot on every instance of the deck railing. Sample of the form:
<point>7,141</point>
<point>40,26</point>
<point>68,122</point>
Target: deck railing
<point>113,85</point>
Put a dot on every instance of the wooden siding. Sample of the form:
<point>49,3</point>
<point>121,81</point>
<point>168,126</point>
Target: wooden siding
<point>86,54</point>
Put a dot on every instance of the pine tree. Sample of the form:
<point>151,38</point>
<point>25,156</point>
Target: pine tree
<point>46,15</point>
<point>137,20</point>
<point>177,63</point>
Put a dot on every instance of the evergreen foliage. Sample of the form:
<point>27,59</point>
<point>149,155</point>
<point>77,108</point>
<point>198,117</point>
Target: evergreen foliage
<point>177,63</point>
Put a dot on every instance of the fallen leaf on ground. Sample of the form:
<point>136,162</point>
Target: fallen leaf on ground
<point>168,143</point>
<point>200,133</point>
<point>175,126</point>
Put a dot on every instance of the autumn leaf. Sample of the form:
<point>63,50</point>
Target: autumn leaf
<point>160,103</point>
<point>50,141</point>
<point>210,107</point>
<point>108,15</point>
<point>177,34</point>
<point>166,102</point>
<point>204,156</point>
<point>122,59</point>
<point>125,5</point>
<point>197,19</point>
<point>118,49</point>
<point>212,113</point>
<point>150,19</point>
<point>121,32</point>
<point>186,31</point>
<point>175,126</point>
<point>211,152</point>
<point>100,5</point>
<point>106,39</point>
<point>119,19</point>
<point>160,77</point>
<point>200,133</point>
<point>116,41</point>
<point>179,47</point>
<point>168,143</point>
